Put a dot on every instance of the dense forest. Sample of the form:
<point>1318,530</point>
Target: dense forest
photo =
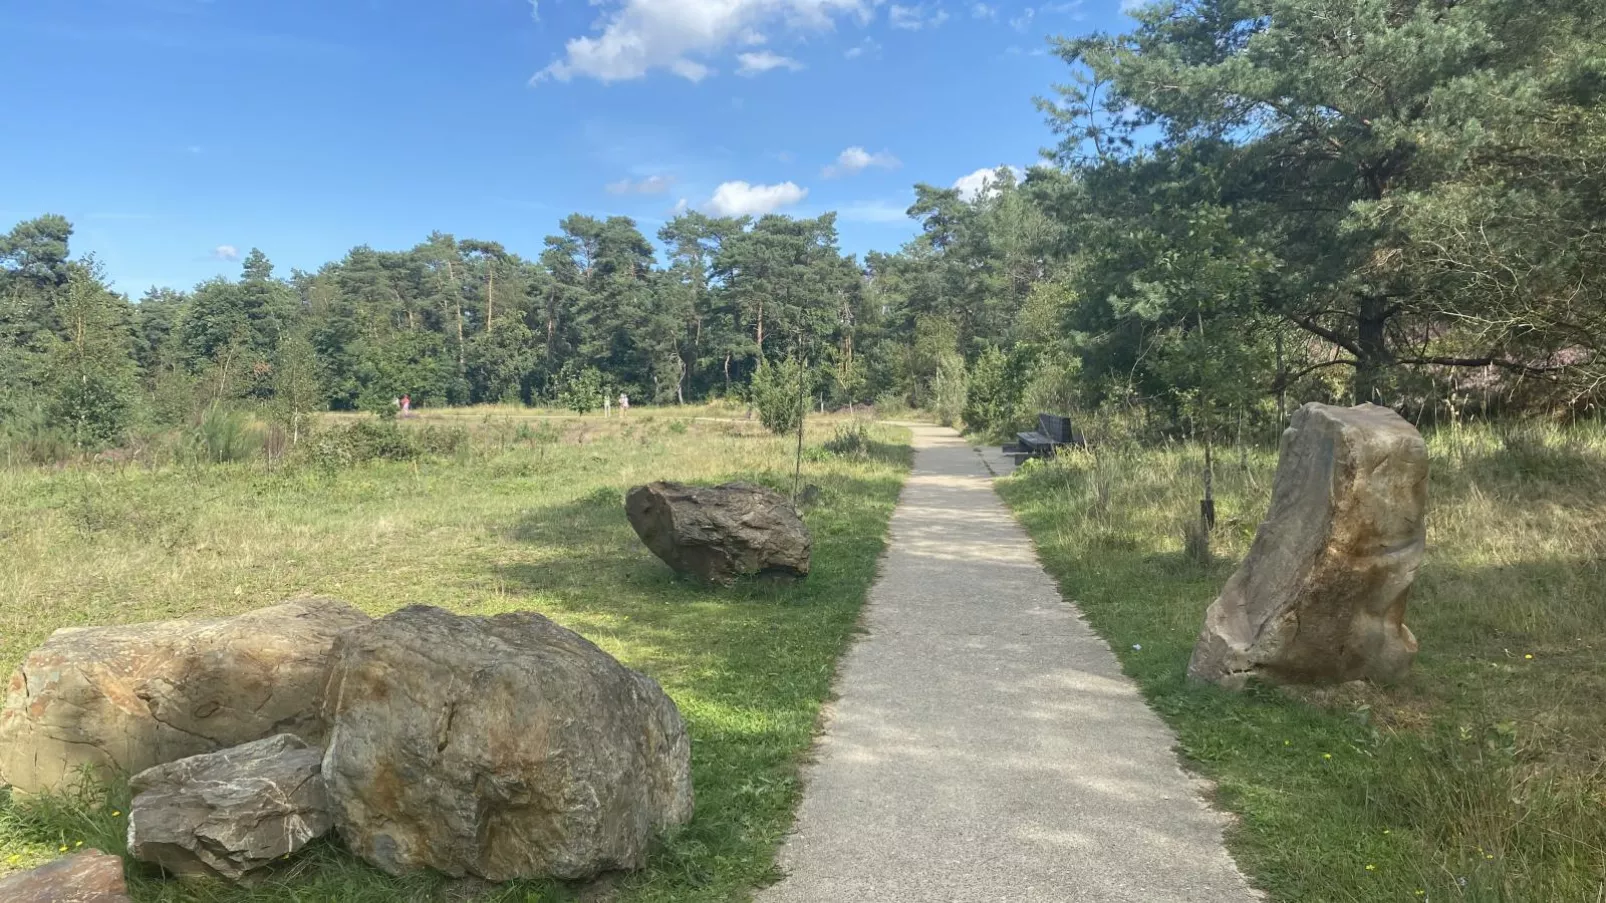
<point>1251,203</point>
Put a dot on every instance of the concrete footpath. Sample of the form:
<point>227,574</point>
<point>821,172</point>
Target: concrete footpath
<point>985,746</point>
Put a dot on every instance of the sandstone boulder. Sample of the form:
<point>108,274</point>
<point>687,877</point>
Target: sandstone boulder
<point>501,747</point>
<point>131,697</point>
<point>87,877</point>
<point>227,813</point>
<point>721,533</point>
<point>1321,596</point>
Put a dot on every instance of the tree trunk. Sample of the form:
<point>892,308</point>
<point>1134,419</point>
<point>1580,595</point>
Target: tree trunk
<point>457,298</point>
<point>490,295</point>
<point>1371,340</point>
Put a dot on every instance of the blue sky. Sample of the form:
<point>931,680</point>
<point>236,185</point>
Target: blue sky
<point>179,133</point>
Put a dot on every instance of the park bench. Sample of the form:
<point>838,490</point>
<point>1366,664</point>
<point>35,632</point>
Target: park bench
<point>1053,433</point>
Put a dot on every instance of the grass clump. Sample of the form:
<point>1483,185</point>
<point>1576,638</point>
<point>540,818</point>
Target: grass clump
<point>1480,778</point>
<point>509,522</point>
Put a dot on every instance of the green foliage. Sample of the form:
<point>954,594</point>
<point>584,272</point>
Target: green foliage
<point>949,389</point>
<point>365,439</point>
<point>780,392</point>
<point>990,395</point>
<point>223,436</point>
<point>90,375</point>
<point>581,389</point>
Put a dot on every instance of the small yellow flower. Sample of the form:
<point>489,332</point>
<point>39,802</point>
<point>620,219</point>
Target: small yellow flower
<point>1387,831</point>
<point>116,812</point>
<point>1287,742</point>
<point>1488,855</point>
<point>63,848</point>
<point>1327,755</point>
<point>1370,867</point>
<point>79,844</point>
<point>1529,656</point>
<point>1420,892</point>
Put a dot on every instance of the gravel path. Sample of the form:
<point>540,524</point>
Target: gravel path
<point>985,746</point>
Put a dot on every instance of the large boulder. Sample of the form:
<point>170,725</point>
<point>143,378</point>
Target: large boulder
<point>1321,596</point>
<point>127,698</point>
<point>721,533</point>
<point>502,747</point>
<point>87,877</point>
<point>226,813</point>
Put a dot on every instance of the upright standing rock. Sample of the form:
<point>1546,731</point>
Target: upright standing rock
<point>139,695</point>
<point>720,533</point>
<point>503,747</point>
<point>227,813</point>
<point>1321,596</point>
<point>87,877</point>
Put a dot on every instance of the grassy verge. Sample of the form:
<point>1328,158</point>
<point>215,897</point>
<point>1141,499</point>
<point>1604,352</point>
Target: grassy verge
<point>1481,778</point>
<point>520,520</point>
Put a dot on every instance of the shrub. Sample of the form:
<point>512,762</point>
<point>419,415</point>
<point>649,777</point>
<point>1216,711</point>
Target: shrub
<point>580,390</point>
<point>948,390</point>
<point>779,392</point>
<point>851,439</point>
<point>382,440</point>
<point>222,436</point>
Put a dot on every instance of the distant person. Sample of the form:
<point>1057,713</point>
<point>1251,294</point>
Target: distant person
<point>407,405</point>
<point>624,403</point>
<point>607,407</point>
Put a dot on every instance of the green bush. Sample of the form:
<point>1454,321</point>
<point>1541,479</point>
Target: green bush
<point>221,437</point>
<point>948,390</point>
<point>779,392</point>
<point>851,440</point>
<point>381,440</point>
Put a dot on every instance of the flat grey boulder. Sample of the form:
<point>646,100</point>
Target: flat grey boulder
<point>87,877</point>
<point>227,813</point>
<point>721,533</point>
<point>1321,596</point>
<point>502,747</point>
<point>130,697</point>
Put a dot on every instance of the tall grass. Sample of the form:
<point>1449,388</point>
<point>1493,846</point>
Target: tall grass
<point>512,520</point>
<point>1481,777</point>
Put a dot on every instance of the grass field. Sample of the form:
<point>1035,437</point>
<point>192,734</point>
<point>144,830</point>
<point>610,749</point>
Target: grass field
<point>529,515</point>
<point>1481,778</point>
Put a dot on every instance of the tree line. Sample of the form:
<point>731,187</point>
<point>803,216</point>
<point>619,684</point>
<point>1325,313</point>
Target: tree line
<point>1251,203</point>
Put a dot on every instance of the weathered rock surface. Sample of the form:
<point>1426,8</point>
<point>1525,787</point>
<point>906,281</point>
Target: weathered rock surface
<point>721,533</point>
<point>1321,596</point>
<point>135,696</point>
<point>501,747</point>
<point>87,877</point>
<point>227,813</point>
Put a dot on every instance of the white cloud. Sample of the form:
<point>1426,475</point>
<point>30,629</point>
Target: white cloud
<point>226,252</point>
<point>764,61</point>
<point>1132,6</point>
<point>638,36</point>
<point>741,199</point>
<point>982,11</point>
<point>914,18</point>
<point>649,185</point>
<point>535,10</point>
<point>690,70</point>
<point>681,206</point>
<point>857,159</point>
<point>868,46</point>
<point>976,184</point>
<point>1024,20</point>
